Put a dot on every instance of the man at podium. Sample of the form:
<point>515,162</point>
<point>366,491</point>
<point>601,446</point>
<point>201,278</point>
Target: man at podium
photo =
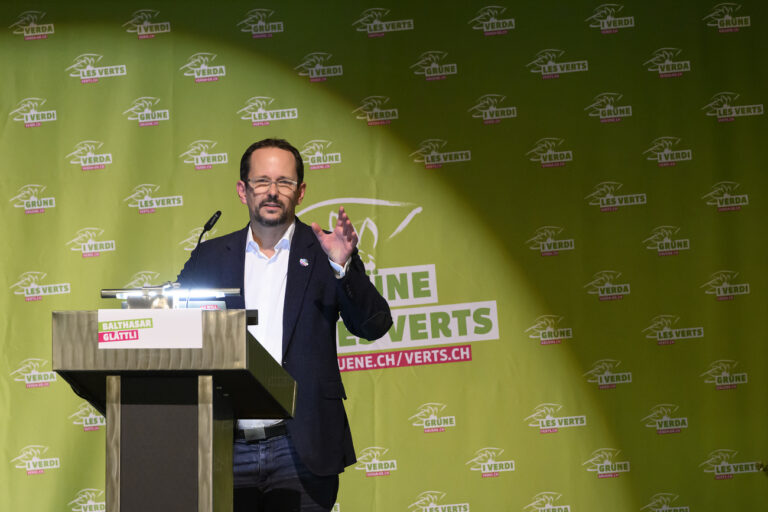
<point>300,279</point>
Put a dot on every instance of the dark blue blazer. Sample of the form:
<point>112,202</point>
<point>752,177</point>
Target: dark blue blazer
<point>314,299</point>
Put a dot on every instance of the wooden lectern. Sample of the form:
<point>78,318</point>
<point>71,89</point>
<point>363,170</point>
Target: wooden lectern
<point>170,412</point>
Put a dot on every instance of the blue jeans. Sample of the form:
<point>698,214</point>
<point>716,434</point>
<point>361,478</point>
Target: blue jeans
<point>268,476</point>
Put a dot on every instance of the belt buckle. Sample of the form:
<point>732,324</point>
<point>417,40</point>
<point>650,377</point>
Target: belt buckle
<point>254,434</point>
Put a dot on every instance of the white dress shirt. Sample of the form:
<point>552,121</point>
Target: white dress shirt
<point>264,289</point>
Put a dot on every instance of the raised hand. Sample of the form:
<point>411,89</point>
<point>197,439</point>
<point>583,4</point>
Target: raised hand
<point>339,243</point>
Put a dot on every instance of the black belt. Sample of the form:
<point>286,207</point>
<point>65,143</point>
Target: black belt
<point>259,434</point>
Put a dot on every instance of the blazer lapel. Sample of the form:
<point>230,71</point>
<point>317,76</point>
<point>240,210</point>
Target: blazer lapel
<point>236,272</point>
<point>300,268</point>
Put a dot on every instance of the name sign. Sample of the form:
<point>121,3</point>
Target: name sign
<point>150,328</point>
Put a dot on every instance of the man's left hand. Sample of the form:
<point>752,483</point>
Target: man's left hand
<point>339,243</point>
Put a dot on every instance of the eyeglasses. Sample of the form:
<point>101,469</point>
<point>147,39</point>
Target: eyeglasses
<point>263,184</point>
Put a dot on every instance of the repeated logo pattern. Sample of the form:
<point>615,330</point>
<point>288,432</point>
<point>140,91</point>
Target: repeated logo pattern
<point>88,500</point>
<point>260,24</point>
<point>201,66</point>
<point>592,170</point>
<point>609,19</point>
<point>550,63</point>
<point>32,25</point>
<point>492,21</point>
<point>434,65</point>
<point>146,25</point>
<point>86,69</point>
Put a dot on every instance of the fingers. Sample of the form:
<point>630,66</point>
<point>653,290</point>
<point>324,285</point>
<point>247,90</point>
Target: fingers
<point>342,218</point>
<point>347,229</point>
<point>317,230</point>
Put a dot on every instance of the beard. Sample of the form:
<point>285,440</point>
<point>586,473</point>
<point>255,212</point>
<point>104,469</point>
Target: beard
<point>271,221</point>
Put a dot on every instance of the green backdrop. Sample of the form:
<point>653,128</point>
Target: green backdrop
<point>562,201</point>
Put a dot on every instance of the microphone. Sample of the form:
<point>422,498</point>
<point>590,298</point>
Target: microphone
<point>209,225</point>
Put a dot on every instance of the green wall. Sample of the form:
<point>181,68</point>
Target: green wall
<point>563,203</point>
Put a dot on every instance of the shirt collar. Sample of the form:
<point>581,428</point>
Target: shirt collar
<point>283,243</point>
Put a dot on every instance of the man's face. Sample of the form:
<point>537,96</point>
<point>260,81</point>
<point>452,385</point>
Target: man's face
<point>272,207</point>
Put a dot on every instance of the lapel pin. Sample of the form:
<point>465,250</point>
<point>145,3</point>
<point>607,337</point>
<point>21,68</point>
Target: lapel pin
<point>303,262</point>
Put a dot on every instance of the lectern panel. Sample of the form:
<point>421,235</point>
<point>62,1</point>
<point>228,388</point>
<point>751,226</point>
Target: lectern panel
<point>158,444</point>
<point>256,384</point>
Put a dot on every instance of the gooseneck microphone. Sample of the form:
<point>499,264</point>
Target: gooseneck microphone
<point>209,225</point>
